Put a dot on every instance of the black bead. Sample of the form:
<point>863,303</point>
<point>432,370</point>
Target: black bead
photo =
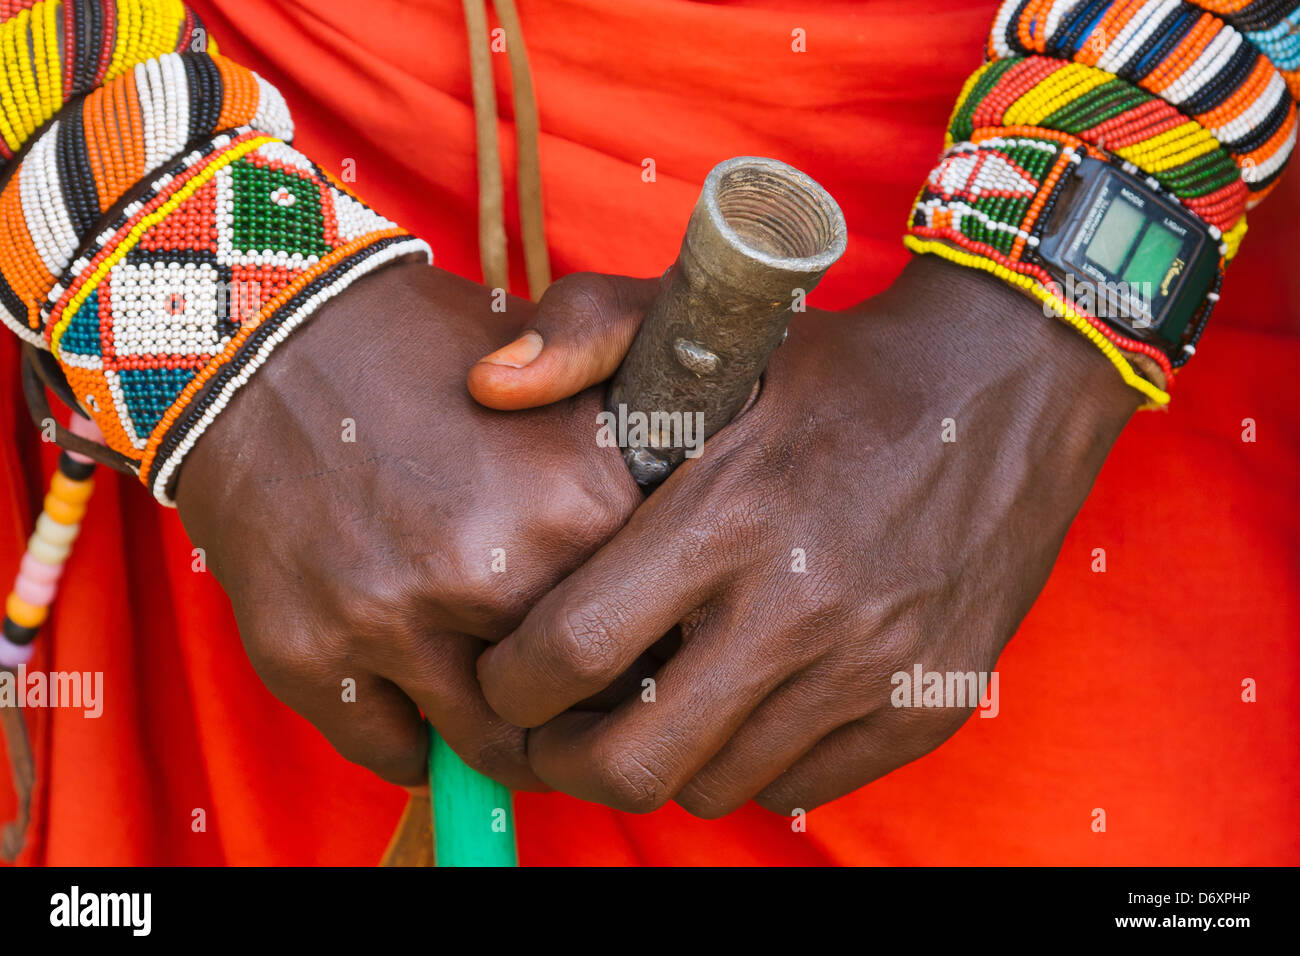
<point>15,634</point>
<point>76,470</point>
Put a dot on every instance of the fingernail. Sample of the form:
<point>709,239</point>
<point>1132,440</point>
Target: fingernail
<point>518,353</point>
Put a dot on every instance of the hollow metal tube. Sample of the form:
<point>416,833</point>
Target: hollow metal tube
<point>761,236</point>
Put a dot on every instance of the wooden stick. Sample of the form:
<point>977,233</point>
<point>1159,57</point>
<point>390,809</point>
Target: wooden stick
<point>24,773</point>
<point>412,842</point>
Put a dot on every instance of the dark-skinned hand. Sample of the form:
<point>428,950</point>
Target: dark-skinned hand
<point>376,558</point>
<point>917,550</point>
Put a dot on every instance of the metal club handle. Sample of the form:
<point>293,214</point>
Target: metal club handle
<point>761,233</point>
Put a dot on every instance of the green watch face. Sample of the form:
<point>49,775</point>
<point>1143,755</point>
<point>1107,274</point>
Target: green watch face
<point>1128,255</point>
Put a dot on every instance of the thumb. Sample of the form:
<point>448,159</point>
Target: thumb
<point>581,330</point>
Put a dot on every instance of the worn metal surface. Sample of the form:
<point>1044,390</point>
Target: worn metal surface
<point>761,235</point>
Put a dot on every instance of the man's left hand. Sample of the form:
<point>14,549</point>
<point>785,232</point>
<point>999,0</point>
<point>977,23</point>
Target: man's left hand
<point>896,496</point>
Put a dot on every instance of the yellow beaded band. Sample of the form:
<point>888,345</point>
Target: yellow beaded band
<point>1157,397</point>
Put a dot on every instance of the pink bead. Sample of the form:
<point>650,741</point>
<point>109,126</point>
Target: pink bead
<point>40,593</point>
<point>14,656</point>
<point>38,570</point>
<point>87,429</point>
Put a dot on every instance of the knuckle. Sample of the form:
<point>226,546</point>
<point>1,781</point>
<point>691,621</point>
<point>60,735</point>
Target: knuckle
<point>498,752</point>
<point>911,732</point>
<point>783,799</point>
<point>469,588</point>
<point>629,783</point>
<point>705,802</point>
<point>931,727</point>
<point>581,299</point>
<point>395,765</point>
<point>458,583</point>
<point>822,600</point>
<point>708,531</point>
<point>286,660</point>
<point>377,600</point>
<point>751,513</point>
<point>584,648</point>
<point>900,634</point>
<point>580,513</point>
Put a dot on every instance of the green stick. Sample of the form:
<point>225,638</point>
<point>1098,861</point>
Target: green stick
<point>473,819</point>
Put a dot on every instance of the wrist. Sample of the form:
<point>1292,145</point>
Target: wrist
<point>164,287</point>
<point>1095,162</point>
<point>406,332</point>
<point>980,330</point>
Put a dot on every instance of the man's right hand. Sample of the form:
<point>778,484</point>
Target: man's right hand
<point>358,507</point>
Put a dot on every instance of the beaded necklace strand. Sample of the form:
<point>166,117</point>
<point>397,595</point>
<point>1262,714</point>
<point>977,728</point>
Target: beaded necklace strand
<point>57,528</point>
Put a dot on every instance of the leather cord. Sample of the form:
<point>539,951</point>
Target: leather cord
<point>493,253</point>
<point>36,378</point>
<point>532,226</point>
<point>491,194</point>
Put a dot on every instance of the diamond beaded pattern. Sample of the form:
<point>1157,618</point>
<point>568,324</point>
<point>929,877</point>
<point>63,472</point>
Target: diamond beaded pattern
<point>189,282</point>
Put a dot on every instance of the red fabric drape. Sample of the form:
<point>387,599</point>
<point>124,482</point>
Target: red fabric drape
<point>1122,691</point>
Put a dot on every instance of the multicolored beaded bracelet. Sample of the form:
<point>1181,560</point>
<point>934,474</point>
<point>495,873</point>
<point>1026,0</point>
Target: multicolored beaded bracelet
<point>1281,44</point>
<point>81,166</point>
<point>56,529</point>
<point>1195,62</point>
<point>1162,89</point>
<point>1272,25</point>
<point>159,237</point>
<point>1113,115</point>
<point>171,305</point>
<point>196,281</point>
<point>1042,104</point>
<point>992,198</point>
<point>56,50</point>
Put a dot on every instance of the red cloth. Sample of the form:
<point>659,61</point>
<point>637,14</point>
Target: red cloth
<point>1121,691</point>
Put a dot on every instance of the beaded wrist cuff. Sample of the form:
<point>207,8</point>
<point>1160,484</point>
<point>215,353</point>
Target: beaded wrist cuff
<point>53,51</point>
<point>82,165</point>
<point>1192,60</point>
<point>159,308</point>
<point>992,198</point>
<point>1163,89</point>
<point>189,290</point>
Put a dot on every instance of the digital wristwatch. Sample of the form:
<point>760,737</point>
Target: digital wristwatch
<point>1133,257</point>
